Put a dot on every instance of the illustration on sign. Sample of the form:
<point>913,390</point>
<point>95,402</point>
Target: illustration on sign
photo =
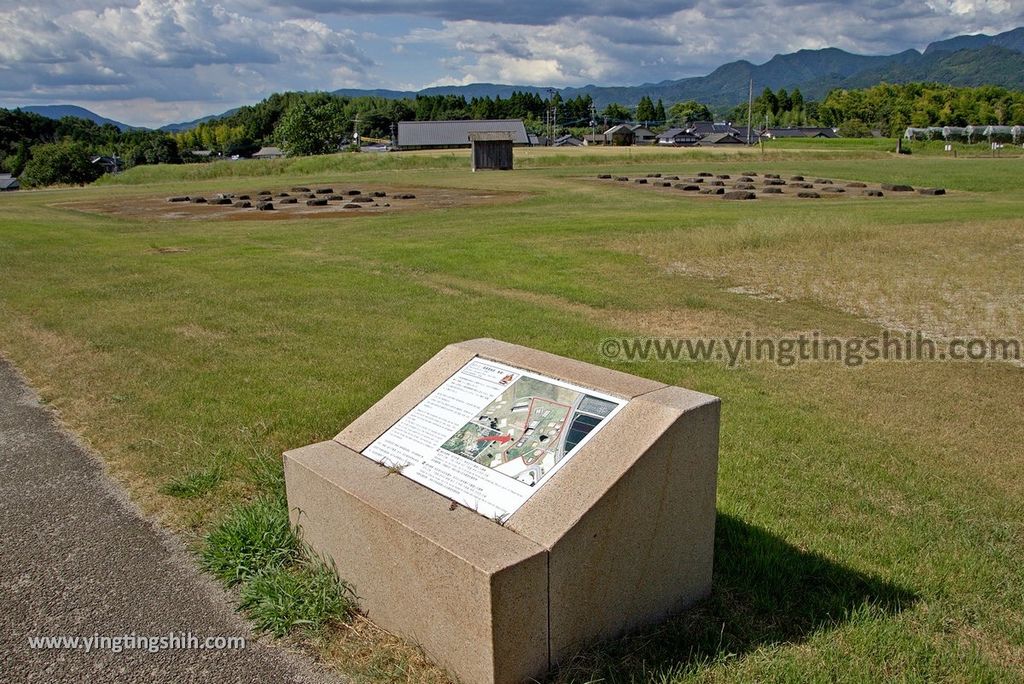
<point>492,434</point>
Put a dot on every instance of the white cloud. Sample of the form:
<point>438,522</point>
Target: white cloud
<point>168,58</point>
<point>166,51</point>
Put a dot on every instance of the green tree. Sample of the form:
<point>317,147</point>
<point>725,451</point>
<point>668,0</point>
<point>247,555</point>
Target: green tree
<point>65,163</point>
<point>645,110</point>
<point>15,163</point>
<point>785,102</point>
<point>854,128</point>
<point>797,100</point>
<point>615,113</point>
<point>659,112</point>
<point>690,110</point>
<point>312,128</point>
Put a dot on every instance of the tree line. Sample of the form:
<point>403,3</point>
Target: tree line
<point>40,149</point>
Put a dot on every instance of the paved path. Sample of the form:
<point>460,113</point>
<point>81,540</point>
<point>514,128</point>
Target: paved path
<point>77,559</point>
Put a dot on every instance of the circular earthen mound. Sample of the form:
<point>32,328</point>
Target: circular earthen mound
<point>713,191</point>
<point>282,194</point>
<point>604,175</point>
<point>744,186</point>
<point>771,175</point>
<point>243,197</point>
<point>220,201</point>
<point>716,183</point>
<point>688,188</point>
<point>672,178</point>
<point>895,187</point>
<point>405,196</point>
<point>665,184</point>
<point>198,200</point>
<point>705,174</point>
<point>242,204</point>
<point>362,199</point>
<point>832,188</point>
<point>774,181</point>
<point>932,191</point>
<point>796,178</point>
<point>723,176</point>
<point>874,193</point>
<point>772,191</point>
<point>350,205</point>
<point>320,202</point>
<point>265,206</point>
<point>749,173</point>
<point>808,195</point>
<point>806,186</point>
<point>654,175</point>
<point>856,185</point>
<point>288,200</point>
<point>622,178</point>
<point>823,181</point>
<point>739,195</point>
<point>324,191</point>
<point>299,188</point>
<point>641,181</point>
<point>184,198</point>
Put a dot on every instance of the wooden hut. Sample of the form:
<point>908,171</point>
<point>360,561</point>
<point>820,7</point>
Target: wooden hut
<point>491,150</point>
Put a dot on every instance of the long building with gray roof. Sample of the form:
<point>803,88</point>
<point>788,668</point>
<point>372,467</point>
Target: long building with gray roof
<point>415,135</point>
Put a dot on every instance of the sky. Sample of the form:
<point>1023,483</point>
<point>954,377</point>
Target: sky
<point>152,62</point>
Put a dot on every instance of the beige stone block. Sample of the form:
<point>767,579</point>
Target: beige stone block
<point>620,537</point>
<point>470,592</point>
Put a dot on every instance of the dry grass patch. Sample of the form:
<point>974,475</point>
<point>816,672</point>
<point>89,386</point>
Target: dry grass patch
<point>945,279</point>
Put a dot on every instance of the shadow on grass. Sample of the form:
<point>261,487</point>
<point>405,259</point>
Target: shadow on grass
<point>765,591</point>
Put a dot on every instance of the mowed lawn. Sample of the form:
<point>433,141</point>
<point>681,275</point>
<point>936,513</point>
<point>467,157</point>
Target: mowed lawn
<point>871,520</point>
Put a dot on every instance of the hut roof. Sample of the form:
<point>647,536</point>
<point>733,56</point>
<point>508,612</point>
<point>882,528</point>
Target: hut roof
<point>484,136</point>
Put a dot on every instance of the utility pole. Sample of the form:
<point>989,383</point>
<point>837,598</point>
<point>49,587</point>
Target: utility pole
<point>394,141</point>
<point>750,110</point>
<point>554,115</point>
<point>593,121</point>
<point>355,130</point>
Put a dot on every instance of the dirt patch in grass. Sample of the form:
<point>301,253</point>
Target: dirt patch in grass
<point>369,202</point>
<point>802,189</point>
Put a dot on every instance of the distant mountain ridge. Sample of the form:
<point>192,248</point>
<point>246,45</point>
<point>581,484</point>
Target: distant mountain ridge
<point>969,60</point>
<point>60,111</point>
<point>963,60</point>
<point>189,125</point>
<point>1011,40</point>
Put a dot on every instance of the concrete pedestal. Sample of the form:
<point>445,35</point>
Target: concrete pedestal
<point>620,537</point>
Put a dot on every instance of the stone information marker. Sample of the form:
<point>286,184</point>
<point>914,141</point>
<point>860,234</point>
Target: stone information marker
<point>503,507</point>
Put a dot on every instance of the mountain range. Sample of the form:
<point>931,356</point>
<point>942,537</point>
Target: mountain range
<point>972,60</point>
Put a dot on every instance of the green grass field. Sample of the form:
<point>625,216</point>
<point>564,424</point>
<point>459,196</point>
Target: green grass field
<point>871,520</point>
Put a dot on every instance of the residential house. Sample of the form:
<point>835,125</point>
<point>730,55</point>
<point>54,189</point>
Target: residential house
<point>568,141</point>
<point>799,132</point>
<point>269,153</point>
<point>621,134</point>
<point>721,139</point>
<point>108,164</point>
<point>678,136</point>
<point>8,182</point>
<point>642,135</point>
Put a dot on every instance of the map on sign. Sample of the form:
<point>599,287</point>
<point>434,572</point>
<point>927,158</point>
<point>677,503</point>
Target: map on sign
<point>491,434</point>
<point>526,431</point>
